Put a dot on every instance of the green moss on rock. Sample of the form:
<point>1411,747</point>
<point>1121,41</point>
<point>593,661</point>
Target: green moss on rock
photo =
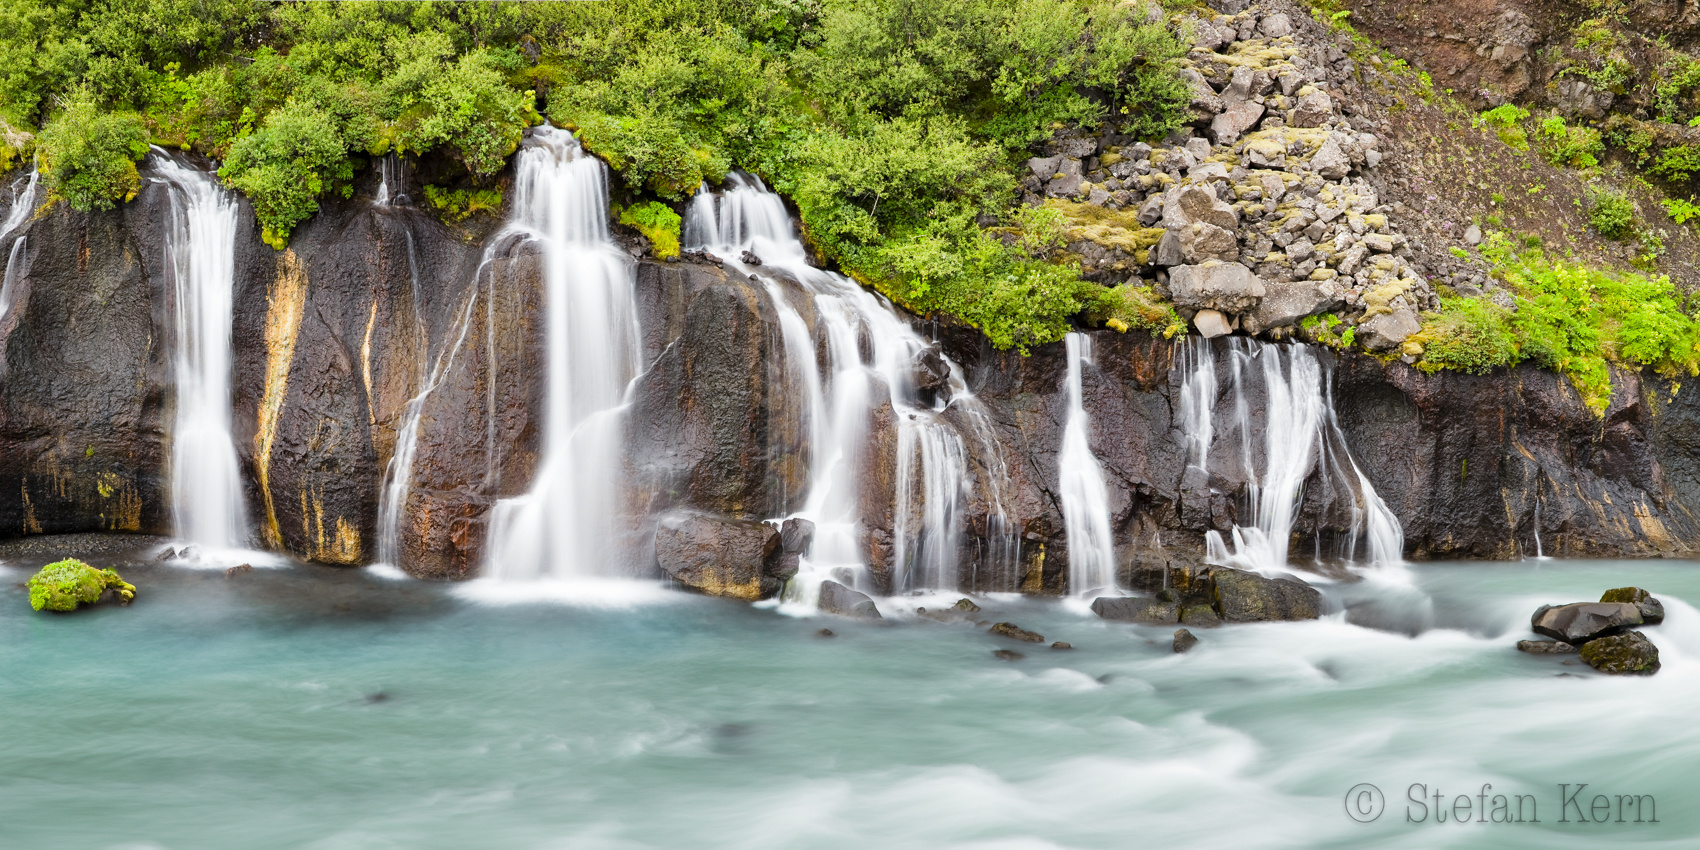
<point>63,585</point>
<point>658,223</point>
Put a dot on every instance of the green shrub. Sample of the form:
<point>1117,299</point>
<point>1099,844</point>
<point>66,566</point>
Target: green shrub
<point>286,165</point>
<point>63,585</point>
<point>464,104</point>
<point>1681,211</point>
<point>1674,93</point>
<point>1128,306</point>
<point>1506,121</point>
<point>1679,163</point>
<point>658,223</point>
<point>1576,147</point>
<point>1611,213</point>
<point>1469,335</point>
<point>455,205</point>
<point>89,157</point>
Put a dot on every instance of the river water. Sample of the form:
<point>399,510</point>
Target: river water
<point>309,707</point>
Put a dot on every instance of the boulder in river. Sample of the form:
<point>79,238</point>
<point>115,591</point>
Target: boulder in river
<point>1015,632</point>
<point>1545,647</point>
<point>719,557</point>
<point>1135,609</point>
<point>1580,622</point>
<point>1652,610</point>
<point>63,585</point>
<point>1629,653</point>
<point>1184,640</point>
<point>1243,597</point>
<point>837,599</point>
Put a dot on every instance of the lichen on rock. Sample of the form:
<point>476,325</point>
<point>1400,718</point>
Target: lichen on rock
<point>63,585</point>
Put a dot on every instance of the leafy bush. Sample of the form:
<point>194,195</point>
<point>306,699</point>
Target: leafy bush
<point>1681,211</point>
<point>456,204</point>
<point>1577,147</point>
<point>1679,163</point>
<point>88,157</point>
<point>1128,306</point>
<point>1611,213</point>
<point>286,165</point>
<point>1468,334</point>
<point>1506,121</point>
<point>658,223</point>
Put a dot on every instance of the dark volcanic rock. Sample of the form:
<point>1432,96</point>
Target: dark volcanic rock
<point>1133,609</point>
<point>1580,622</point>
<point>1243,597</point>
<point>1545,647</point>
<point>1652,610</point>
<point>1015,632</point>
<point>1184,640</point>
<point>719,557</point>
<point>1630,653</point>
<point>1007,655</point>
<point>795,536</point>
<point>835,598</point>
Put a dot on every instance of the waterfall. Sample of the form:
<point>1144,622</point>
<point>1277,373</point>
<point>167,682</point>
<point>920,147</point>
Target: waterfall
<point>23,204</point>
<point>565,526</point>
<point>206,489</point>
<point>1085,501</point>
<point>870,351</point>
<point>1277,446</point>
<point>392,181</point>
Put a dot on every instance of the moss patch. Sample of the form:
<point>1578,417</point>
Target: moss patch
<point>658,223</point>
<point>63,585</point>
<point>1112,229</point>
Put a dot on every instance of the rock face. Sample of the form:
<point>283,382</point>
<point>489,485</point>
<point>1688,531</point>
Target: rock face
<point>731,558</point>
<point>1581,622</point>
<point>1630,653</point>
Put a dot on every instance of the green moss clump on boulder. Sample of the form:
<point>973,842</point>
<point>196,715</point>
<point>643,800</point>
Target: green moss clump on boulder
<point>658,223</point>
<point>64,585</point>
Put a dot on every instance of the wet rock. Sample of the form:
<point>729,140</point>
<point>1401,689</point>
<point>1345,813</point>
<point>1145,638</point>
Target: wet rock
<point>1580,622</point>
<point>825,633</point>
<point>720,557</point>
<point>750,259</point>
<point>1200,615</point>
<point>1062,644</point>
<point>1184,640</point>
<point>1015,632</point>
<point>1229,287</point>
<point>1007,655</point>
<point>1652,610</point>
<point>1627,654</point>
<point>837,599</point>
<point>64,585</point>
<point>1134,609</point>
<point>1545,647</point>
<point>795,537</point>
<point>1243,597</point>
<point>966,606</point>
<point>931,376</point>
<point>237,570</point>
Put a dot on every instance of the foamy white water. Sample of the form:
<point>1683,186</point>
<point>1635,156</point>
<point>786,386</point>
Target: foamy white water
<point>1085,500</point>
<point>207,505</point>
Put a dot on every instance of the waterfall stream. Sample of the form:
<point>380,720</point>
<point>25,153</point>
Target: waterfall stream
<point>23,204</point>
<point>206,490</point>
<point>1277,446</point>
<point>563,527</point>
<point>1085,501</point>
<point>870,353</point>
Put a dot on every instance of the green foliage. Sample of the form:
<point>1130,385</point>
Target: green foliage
<point>63,585</point>
<point>1676,90</point>
<point>658,223</point>
<point>89,157</point>
<point>1506,121</point>
<point>1577,147</point>
<point>286,165</point>
<point>1679,163</point>
<point>464,104</point>
<point>455,205</point>
<point>1328,329</point>
<point>1681,211</point>
<point>1570,318</point>
<point>1611,213</point>
<point>1128,306</point>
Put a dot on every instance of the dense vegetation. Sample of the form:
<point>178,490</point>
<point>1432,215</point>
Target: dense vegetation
<point>895,125</point>
<point>1567,317</point>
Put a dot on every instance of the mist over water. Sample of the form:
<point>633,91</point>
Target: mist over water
<point>313,707</point>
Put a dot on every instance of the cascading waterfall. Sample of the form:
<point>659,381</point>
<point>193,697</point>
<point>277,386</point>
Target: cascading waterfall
<point>1300,435</point>
<point>392,187</point>
<point>23,204</point>
<point>562,528</point>
<point>933,484</point>
<point>1085,500</point>
<point>206,489</point>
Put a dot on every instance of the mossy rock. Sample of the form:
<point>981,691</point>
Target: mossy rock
<point>64,585</point>
<point>1627,654</point>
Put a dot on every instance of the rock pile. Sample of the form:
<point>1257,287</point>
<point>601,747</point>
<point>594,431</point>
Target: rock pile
<point>1602,632</point>
<point>1222,595</point>
<point>1256,216</point>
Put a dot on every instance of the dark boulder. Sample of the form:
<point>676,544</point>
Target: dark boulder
<point>1007,655</point>
<point>795,535</point>
<point>719,557</point>
<point>1580,622</point>
<point>1062,644</point>
<point>1134,609</point>
<point>1630,653</point>
<point>1243,597</point>
<point>1652,610</point>
<point>837,599</point>
<point>1015,632</point>
<point>932,377</point>
<point>1184,640</point>
<point>1545,647</point>
<point>1200,615</point>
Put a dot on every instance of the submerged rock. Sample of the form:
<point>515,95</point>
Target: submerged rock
<point>63,585</point>
<point>1200,615</point>
<point>1015,632</point>
<point>1545,647</point>
<point>1007,655</point>
<point>1134,609</point>
<point>1652,610</point>
<point>1243,597</point>
<point>1580,622</point>
<point>719,557</point>
<point>837,599</point>
<point>1184,640</point>
<point>1630,653</point>
<point>1062,644</point>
